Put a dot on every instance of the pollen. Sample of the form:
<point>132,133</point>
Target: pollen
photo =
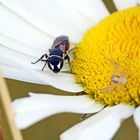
<point>107,60</point>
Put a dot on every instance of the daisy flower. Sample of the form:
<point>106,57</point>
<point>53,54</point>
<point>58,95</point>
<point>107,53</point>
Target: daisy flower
<point>106,62</point>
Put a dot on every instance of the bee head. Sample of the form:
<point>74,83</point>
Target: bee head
<point>55,60</point>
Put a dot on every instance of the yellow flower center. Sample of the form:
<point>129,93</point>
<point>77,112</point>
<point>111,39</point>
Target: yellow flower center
<point>107,60</point>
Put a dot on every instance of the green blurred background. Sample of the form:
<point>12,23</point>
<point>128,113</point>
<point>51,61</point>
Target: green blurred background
<point>51,128</point>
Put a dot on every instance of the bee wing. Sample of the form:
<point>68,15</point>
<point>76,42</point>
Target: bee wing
<point>59,40</point>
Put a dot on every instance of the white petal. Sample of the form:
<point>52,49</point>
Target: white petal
<point>23,62</point>
<point>101,126</point>
<point>32,109</point>
<point>17,74</point>
<point>138,2</point>
<point>17,28</point>
<point>120,5</point>
<point>56,81</point>
<point>45,16</point>
<point>7,56</point>
<point>21,75</point>
<point>14,45</point>
<point>95,10</point>
<point>137,118</point>
<point>60,17</point>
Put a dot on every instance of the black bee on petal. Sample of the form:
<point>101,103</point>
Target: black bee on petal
<point>58,53</point>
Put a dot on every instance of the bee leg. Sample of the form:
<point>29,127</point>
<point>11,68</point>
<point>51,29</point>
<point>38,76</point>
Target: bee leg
<point>71,50</point>
<point>44,55</point>
<point>44,65</point>
<point>68,58</point>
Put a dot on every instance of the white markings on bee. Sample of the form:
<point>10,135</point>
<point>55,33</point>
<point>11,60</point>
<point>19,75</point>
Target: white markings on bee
<point>59,65</point>
<point>52,66</point>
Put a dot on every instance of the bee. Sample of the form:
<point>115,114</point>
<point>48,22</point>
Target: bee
<point>117,79</point>
<point>58,53</point>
